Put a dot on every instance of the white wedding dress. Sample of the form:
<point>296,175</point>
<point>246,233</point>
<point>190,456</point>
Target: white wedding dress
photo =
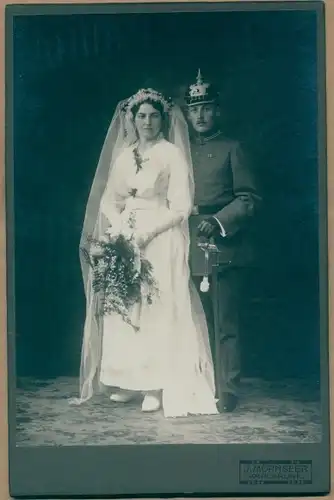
<point>170,352</point>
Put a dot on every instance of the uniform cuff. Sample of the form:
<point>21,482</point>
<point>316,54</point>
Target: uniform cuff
<point>222,230</point>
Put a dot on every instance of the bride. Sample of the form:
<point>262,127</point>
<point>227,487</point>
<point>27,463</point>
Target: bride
<point>145,169</point>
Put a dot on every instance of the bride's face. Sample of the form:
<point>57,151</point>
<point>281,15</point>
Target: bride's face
<point>148,122</point>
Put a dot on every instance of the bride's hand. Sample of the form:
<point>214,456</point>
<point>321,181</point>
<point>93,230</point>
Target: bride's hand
<point>96,251</point>
<point>143,239</point>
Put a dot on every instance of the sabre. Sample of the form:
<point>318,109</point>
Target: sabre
<point>207,247</point>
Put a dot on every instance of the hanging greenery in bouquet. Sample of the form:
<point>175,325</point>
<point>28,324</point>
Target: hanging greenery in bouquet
<point>121,274</point>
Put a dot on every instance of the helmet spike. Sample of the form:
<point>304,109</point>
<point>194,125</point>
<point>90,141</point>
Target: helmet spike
<point>201,92</point>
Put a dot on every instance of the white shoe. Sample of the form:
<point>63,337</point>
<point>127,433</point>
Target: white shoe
<point>122,396</point>
<point>151,403</point>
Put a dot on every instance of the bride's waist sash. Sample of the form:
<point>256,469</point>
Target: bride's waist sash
<point>145,204</point>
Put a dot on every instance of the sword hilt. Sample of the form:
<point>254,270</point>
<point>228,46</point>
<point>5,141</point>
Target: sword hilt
<point>208,248</point>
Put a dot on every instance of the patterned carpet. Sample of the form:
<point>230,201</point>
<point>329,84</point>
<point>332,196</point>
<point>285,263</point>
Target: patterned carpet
<point>270,412</point>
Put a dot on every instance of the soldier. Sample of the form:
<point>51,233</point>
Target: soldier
<point>226,201</point>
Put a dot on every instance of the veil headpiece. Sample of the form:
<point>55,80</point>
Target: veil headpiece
<point>142,95</point>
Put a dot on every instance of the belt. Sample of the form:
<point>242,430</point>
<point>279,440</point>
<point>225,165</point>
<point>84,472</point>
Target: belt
<point>144,204</point>
<point>206,209</point>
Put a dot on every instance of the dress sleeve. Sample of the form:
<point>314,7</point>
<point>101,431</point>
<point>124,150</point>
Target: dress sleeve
<point>247,199</point>
<point>178,194</point>
<point>113,199</point>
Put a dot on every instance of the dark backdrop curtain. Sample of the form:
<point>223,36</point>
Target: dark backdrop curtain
<point>69,73</point>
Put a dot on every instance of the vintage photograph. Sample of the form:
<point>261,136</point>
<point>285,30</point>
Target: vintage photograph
<point>166,226</point>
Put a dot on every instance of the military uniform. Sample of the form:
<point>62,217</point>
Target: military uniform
<point>225,195</point>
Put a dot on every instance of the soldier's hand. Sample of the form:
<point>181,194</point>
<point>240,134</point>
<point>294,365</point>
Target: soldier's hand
<point>206,229</point>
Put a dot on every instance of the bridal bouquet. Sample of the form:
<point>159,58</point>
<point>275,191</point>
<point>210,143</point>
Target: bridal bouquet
<point>120,272</point>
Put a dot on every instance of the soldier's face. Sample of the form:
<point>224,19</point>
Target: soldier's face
<point>203,117</point>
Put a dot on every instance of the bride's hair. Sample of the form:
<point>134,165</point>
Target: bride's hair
<point>155,104</point>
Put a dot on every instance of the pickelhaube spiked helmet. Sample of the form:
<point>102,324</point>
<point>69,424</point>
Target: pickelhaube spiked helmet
<point>201,92</point>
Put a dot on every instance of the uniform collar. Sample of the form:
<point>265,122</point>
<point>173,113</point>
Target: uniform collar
<point>203,139</point>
